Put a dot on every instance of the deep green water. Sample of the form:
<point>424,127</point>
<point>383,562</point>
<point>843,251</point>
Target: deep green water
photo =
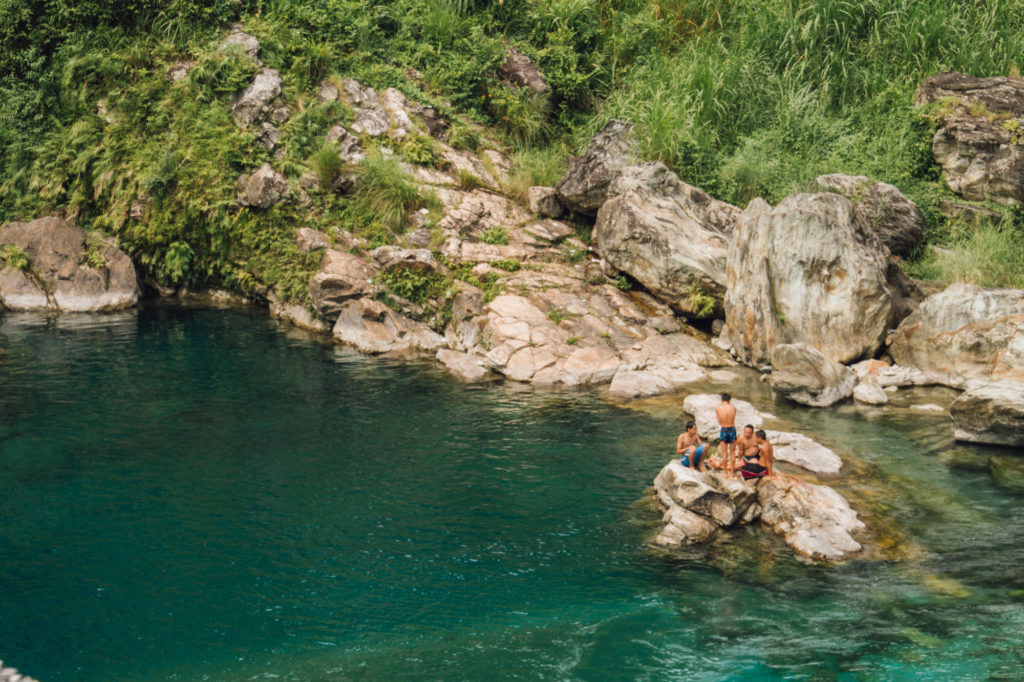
<point>195,494</point>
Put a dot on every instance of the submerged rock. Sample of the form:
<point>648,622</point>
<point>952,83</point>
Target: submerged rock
<point>67,270</point>
<point>814,520</point>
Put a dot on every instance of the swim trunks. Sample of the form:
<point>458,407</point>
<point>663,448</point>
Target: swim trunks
<point>696,458</point>
<point>750,471</point>
<point>728,434</point>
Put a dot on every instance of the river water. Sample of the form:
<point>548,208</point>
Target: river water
<point>207,495</point>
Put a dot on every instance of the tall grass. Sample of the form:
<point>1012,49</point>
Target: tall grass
<point>987,254</point>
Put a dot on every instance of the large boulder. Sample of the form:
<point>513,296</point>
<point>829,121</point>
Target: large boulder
<point>66,269</point>
<point>896,220</point>
<point>372,327</point>
<point>701,406</point>
<point>979,143</point>
<point>808,271</point>
<point>583,187</point>
<point>964,334</point>
<point>520,70</point>
<point>342,277</point>
<point>990,413</point>
<point>805,376</point>
<point>263,188</point>
<point>815,520</point>
<point>255,100</point>
<point>671,237</point>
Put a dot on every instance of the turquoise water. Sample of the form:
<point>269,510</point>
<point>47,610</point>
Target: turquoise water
<point>195,494</point>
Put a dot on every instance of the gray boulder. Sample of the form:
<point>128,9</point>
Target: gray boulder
<point>255,99</point>
<point>990,413</point>
<point>372,327</point>
<point>671,237</point>
<point>342,277</point>
<point>805,376</point>
<point>808,271</point>
<point>65,270</point>
<point>238,39</point>
<point>520,70</point>
<point>264,188</point>
<point>815,520</point>
<point>544,202</point>
<point>979,142</point>
<point>583,187</point>
<point>896,220</point>
<point>964,334</point>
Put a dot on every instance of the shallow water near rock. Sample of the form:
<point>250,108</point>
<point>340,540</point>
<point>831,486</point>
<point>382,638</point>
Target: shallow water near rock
<point>196,494</point>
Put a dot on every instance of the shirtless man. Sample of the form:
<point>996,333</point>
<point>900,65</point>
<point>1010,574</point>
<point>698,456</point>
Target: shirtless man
<point>758,455</point>
<point>690,449</point>
<point>726,414</point>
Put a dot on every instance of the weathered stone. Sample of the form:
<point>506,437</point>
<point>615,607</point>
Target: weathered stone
<point>815,520</point>
<point>342,277</point>
<point>310,240</point>
<point>256,98</point>
<point>519,69</point>
<point>965,334</point>
<point>583,187</point>
<point>242,41</point>
<point>420,260</point>
<point>669,236</point>
<point>990,413</point>
<point>544,202</point>
<point>869,391</point>
<point>805,376</point>
<point>896,220</point>
<point>297,314</point>
<point>808,271</point>
<point>264,188</point>
<point>372,327</point>
<point>978,145</point>
<point>798,449</point>
<point>346,143</point>
<point>1008,472</point>
<point>702,408</point>
<point>328,92</point>
<point>468,368</point>
<point>887,375</point>
<point>67,270</point>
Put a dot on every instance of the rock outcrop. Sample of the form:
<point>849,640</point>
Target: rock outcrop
<point>808,271</point>
<point>669,236</point>
<point>520,70</point>
<point>544,202</point>
<point>254,102</point>
<point>583,187</point>
<point>964,334</point>
<point>263,188</point>
<point>342,277</point>
<point>815,520</point>
<point>979,143</point>
<point>805,376</point>
<point>990,413</point>
<point>896,220</point>
<point>66,269</point>
<point>372,327</point>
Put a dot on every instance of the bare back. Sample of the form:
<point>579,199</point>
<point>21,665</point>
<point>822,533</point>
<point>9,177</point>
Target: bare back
<point>726,414</point>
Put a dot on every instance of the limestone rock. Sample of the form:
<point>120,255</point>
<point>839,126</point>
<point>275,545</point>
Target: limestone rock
<point>544,202</point>
<point>702,408</point>
<point>887,375</point>
<point>669,236</point>
<point>808,271</point>
<point>964,334</point>
<point>520,70</point>
<point>869,391</point>
<point>372,327</point>
<point>296,314</point>
<point>238,39</point>
<point>804,375</point>
<point>815,520</point>
<point>896,220</point>
<point>310,240</point>
<point>990,413</point>
<point>342,277</point>
<point>978,145</point>
<point>804,452</point>
<point>346,143</point>
<point>468,368</point>
<point>59,275</point>
<point>582,189</point>
<point>420,260</point>
<point>255,99</point>
<point>264,188</point>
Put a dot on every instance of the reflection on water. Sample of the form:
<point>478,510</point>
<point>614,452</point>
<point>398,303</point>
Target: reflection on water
<point>194,495</point>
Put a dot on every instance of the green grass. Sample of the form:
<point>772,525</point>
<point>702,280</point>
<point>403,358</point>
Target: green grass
<point>987,254</point>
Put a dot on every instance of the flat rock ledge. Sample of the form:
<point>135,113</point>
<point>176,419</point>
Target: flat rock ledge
<point>815,520</point>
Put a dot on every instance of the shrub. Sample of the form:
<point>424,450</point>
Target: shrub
<point>508,265</point>
<point>497,236</point>
<point>385,193</point>
<point>986,254</point>
<point>327,165</point>
<point>13,257</point>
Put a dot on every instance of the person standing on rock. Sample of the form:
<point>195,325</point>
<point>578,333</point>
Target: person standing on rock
<point>761,460</point>
<point>726,415</point>
<point>690,448</point>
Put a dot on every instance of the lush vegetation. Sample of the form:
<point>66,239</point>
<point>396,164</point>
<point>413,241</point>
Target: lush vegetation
<point>744,98</point>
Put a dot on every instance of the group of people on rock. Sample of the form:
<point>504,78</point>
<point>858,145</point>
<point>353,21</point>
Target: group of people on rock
<point>751,447</point>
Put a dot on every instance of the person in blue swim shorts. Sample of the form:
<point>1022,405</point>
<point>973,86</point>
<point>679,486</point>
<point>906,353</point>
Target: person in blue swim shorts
<point>726,414</point>
<point>690,448</point>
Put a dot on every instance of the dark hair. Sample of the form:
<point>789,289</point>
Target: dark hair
<point>761,434</point>
<point>689,425</point>
<point>748,426</point>
<point>726,397</point>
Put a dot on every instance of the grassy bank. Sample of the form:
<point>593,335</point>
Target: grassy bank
<point>742,98</point>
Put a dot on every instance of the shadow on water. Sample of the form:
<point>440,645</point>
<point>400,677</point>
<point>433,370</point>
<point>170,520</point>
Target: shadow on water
<point>204,494</point>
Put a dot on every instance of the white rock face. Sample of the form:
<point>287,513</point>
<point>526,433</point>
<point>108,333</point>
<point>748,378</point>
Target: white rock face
<point>544,202</point>
<point>372,327</point>
<point>466,367</point>
<point>798,449</point>
<point>815,520</point>
<point>887,375</point>
<point>870,392</point>
<point>896,220</point>
<point>990,413</point>
<point>255,100</point>
<point>808,271</point>
<point>804,375</point>
<point>671,237</point>
<point>965,334</point>
<point>264,188</point>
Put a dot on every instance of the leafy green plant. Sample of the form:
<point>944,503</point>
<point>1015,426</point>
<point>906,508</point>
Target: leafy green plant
<point>699,303</point>
<point>384,192</point>
<point>92,255</point>
<point>414,285</point>
<point>13,257</point>
<point>623,283</point>
<point>419,149</point>
<point>556,315</point>
<point>508,265</point>
<point>467,181</point>
<point>572,340</point>
<point>497,236</point>
<point>327,165</point>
